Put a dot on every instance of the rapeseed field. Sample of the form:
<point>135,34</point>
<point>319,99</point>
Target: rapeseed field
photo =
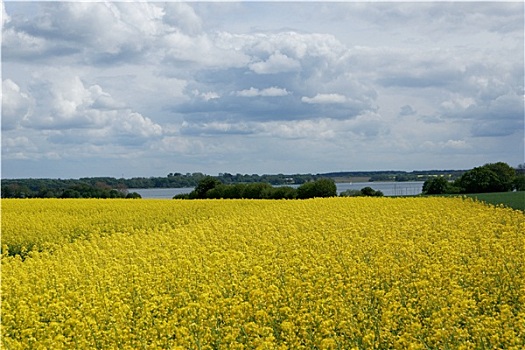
<point>327,273</point>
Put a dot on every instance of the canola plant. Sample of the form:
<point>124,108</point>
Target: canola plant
<point>331,273</point>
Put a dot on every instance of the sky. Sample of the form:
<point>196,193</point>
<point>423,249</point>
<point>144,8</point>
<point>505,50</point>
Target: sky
<point>132,89</point>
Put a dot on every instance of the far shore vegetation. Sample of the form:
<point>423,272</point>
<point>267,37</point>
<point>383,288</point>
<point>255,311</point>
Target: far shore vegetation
<point>494,183</point>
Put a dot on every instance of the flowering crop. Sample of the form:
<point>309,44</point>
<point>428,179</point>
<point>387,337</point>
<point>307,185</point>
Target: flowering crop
<point>332,273</point>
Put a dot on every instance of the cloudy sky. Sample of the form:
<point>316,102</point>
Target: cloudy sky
<point>146,89</point>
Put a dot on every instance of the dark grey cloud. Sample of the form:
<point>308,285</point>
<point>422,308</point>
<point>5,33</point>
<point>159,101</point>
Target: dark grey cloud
<point>406,110</point>
<point>499,117</point>
<point>434,18</point>
<point>496,128</point>
<point>428,79</point>
<point>431,119</point>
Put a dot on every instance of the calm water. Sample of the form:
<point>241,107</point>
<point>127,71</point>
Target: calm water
<point>408,188</point>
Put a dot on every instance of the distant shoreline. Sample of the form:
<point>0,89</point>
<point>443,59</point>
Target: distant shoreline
<point>350,179</point>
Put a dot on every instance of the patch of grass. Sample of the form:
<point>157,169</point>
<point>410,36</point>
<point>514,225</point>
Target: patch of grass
<point>515,200</point>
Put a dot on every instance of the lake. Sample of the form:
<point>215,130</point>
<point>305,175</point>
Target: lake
<point>408,188</point>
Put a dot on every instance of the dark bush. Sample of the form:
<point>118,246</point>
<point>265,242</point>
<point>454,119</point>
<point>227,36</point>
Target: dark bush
<point>350,193</point>
<point>318,188</point>
<point>255,190</point>
<point>206,184</point>
<point>370,192</point>
<point>492,177</point>
<point>281,192</point>
<point>519,183</point>
<point>438,185</point>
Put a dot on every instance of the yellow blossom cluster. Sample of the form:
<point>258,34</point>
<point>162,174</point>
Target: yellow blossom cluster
<point>324,273</point>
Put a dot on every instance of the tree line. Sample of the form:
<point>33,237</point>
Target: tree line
<point>491,177</point>
<point>180,180</point>
<point>97,186</point>
<point>212,188</point>
<point>488,178</point>
<point>74,190</point>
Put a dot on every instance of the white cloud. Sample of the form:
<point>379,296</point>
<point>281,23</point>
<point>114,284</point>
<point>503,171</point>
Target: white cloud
<point>103,100</point>
<point>449,145</point>
<point>135,125</point>
<point>16,142</point>
<point>145,17</point>
<point>206,96</point>
<point>276,63</point>
<point>123,127</point>
<point>334,130</point>
<point>324,99</point>
<point>181,15</point>
<point>456,144</point>
<point>5,17</point>
<point>200,50</point>
<point>180,145</point>
<point>210,95</point>
<point>16,105</point>
<point>80,113</point>
<point>98,32</point>
<point>268,92</point>
<point>457,102</point>
<point>215,128</point>
<point>21,44</point>
<point>301,129</point>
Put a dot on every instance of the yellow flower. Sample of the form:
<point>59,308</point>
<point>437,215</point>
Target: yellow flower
<point>331,273</point>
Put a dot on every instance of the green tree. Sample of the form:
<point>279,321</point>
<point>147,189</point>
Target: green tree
<point>15,190</point>
<point>280,192</point>
<point>492,177</point>
<point>317,188</point>
<point>519,182</point>
<point>370,192</point>
<point>70,193</point>
<point>205,184</point>
<point>234,191</point>
<point>478,180</point>
<point>505,174</point>
<point>255,190</point>
<point>306,190</point>
<point>350,193</point>
<point>438,185</point>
